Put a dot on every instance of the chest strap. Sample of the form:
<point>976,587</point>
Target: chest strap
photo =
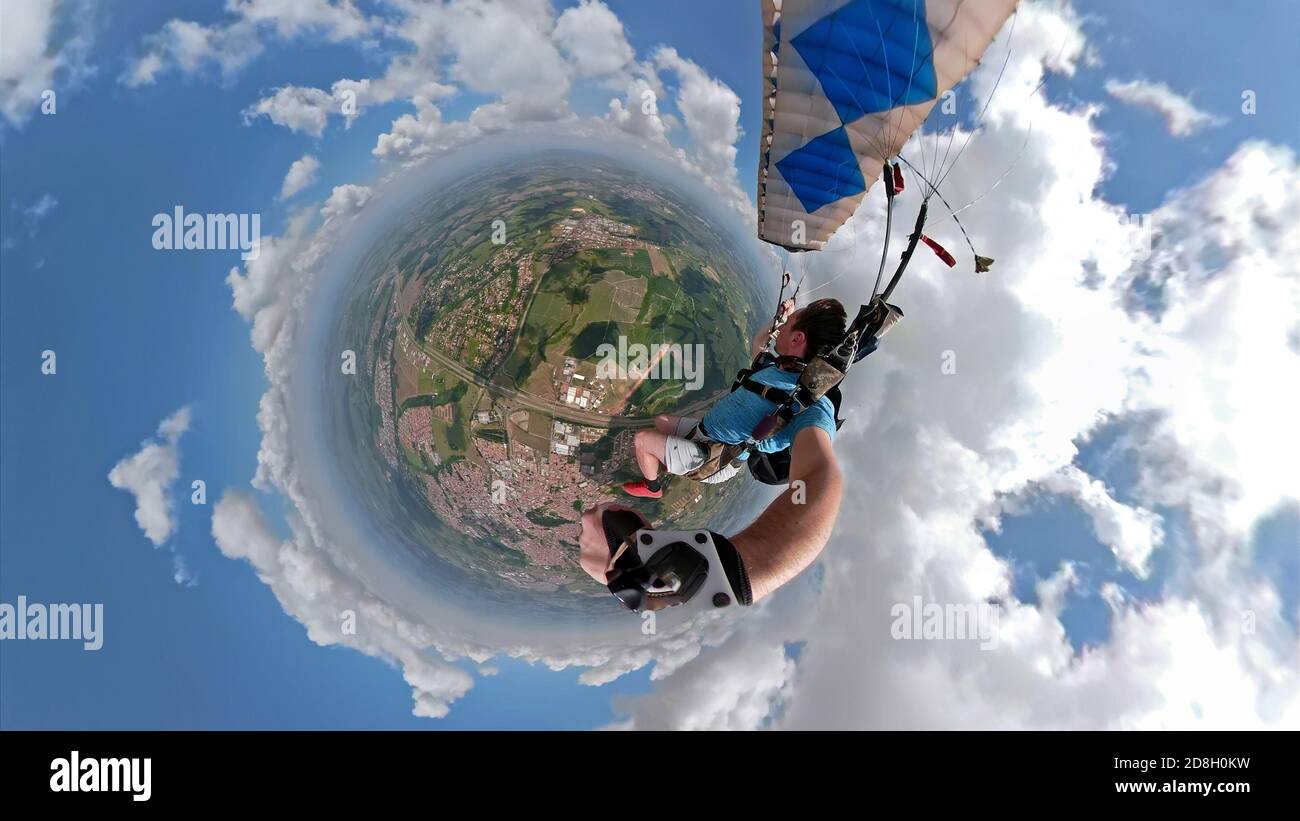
<point>768,392</point>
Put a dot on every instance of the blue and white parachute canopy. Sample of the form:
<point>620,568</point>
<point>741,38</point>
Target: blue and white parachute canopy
<point>846,82</point>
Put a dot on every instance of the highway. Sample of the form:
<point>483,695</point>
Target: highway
<point>522,399</point>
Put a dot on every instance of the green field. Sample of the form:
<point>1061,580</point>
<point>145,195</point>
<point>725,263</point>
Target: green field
<point>439,272</point>
<point>597,296</point>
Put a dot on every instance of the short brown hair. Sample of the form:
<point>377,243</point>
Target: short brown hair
<point>823,323</point>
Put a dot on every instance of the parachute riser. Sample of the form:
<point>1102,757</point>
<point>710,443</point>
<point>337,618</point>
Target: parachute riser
<point>912,241</point>
<point>892,177</point>
<point>777,320</point>
<point>779,317</point>
<point>876,317</point>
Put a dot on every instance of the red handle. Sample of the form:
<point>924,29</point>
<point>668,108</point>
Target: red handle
<point>939,251</point>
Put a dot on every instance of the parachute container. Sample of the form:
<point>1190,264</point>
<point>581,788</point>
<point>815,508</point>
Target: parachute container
<point>846,82</point>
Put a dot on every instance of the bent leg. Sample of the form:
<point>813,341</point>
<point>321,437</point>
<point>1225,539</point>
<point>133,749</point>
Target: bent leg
<point>649,447</point>
<point>667,425</point>
<point>675,426</point>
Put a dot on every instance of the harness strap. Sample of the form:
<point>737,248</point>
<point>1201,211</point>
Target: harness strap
<point>788,404</point>
<point>763,360</point>
<point>769,392</point>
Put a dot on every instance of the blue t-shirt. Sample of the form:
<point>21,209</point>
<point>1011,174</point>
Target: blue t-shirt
<point>734,416</point>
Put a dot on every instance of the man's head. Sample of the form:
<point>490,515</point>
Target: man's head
<point>812,328</point>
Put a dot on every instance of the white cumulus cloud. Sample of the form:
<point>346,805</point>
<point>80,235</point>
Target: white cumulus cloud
<point>1192,347</point>
<point>1074,329</point>
<point>1182,118</point>
<point>43,46</point>
<point>148,475</point>
<point>301,174</point>
<point>1131,533</point>
<point>592,37</point>
<point>234,42</point>
<point>297,109</point>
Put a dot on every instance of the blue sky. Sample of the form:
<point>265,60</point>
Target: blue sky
<point>140,333</point>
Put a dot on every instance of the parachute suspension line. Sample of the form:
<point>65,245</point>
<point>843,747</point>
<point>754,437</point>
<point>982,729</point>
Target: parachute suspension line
<point>893,184</point>
<point>802,266</point>
<point>934,45</point>
<point>1019,152</point>
<point>884,149</point>
<point>797,261</point>
<point>890,173</point>
<point>889,73</point>
<point>955,42</point>
<point>897,126</point>
<point>880,148</point>
<point>954,212</point>
<point>923,177</point>
<point>937,168</point>
<point>941,166</point>
<point>979,121</point>
<point>774,328</point>
<point>981,263</point>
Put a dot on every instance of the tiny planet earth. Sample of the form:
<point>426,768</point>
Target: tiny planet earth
<point>514,329</point>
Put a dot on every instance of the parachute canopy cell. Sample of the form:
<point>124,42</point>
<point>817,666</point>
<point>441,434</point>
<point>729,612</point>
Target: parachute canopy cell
<point>846,82</point>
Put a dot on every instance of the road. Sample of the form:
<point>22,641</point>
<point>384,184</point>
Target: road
<point>523,399</point>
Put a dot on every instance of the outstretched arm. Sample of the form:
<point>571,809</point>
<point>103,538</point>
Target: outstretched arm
<point>788,536</point>
<point>781,542</point>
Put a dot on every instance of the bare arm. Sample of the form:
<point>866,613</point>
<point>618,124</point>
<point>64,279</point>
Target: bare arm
<point>788,536</point>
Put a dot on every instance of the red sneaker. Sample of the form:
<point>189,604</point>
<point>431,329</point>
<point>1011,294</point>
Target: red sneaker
<point>641,489</point>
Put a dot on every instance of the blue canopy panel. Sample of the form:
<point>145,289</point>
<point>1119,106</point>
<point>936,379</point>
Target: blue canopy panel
<point>823,170</point>
<point>846,83</point>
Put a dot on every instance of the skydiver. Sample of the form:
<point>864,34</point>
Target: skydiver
<point>679,443</point>
<point>783,540</point>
